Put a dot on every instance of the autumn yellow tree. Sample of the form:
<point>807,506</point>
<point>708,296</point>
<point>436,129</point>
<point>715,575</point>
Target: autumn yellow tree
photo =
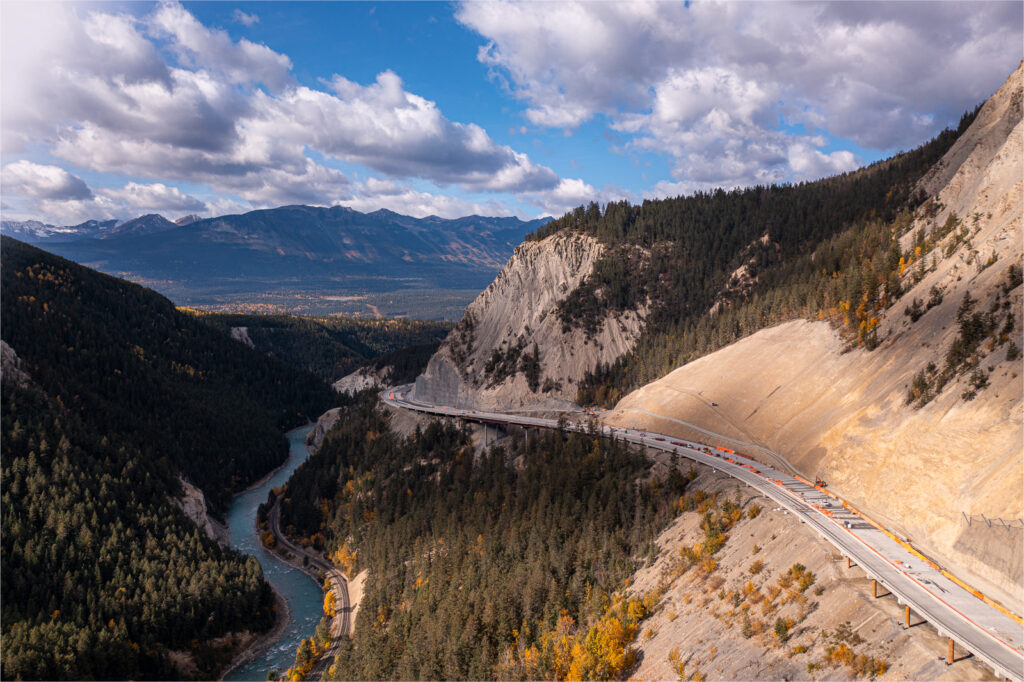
<point>330,604</point>
<point>345,559</point>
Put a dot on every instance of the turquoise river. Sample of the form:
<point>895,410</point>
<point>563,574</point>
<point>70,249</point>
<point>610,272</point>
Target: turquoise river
<point>305,600</point>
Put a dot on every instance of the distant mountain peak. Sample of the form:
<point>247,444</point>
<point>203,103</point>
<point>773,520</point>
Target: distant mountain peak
<point>150,223</point>
<point>187,220</point>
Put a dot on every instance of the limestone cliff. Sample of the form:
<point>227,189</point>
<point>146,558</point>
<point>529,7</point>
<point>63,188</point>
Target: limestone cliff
<point>931,472</point>
<point>10,366</point>
<point>489,360</point>
<point>364,378</point>
<point>193,504</point>
<point>325,423</point>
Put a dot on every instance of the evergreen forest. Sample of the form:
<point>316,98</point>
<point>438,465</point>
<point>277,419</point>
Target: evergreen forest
<point>331,347</point>
<point>505,564</point>
<point>116,394</point>
<point>717,266</point>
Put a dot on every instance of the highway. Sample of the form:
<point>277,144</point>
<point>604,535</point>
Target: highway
<point>340,624</point>
<point>988,632</point>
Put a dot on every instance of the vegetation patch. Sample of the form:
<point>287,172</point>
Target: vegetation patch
<point>979,333</point>
<point>331,347</point>
<point>102,575</point>
<point>506,564</point>
<point>821,250</point>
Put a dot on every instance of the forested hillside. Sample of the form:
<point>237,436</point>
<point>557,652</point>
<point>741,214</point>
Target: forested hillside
<point>150,377</point>
<point>329,347</point>
<point>718,266</point>
<point>501,566</point>
<point>102,575</point>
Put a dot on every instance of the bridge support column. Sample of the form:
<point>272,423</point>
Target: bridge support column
<point>849,562</point>
<point>906,616</point>
<point>949,654</point>
<point>874,588</point>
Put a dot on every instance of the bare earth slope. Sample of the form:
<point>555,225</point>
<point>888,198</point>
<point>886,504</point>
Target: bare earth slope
<point>722,623</point>
<point>928,473</point>
<point>518,310</point>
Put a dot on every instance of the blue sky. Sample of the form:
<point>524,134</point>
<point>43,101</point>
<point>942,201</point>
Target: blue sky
<point>119,109</point>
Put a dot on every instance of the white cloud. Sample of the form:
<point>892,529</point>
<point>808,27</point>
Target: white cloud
<point>57,196</point>
<point>228,114</point>
<point>709,83</point>
<point>198,46</point>
<point>42,182</point>
<point>240,17</point>
<point>393,131</point>
<point>573,192</point>
<point>375,193</point>
<point>153,198</point>
<point>422,204</point>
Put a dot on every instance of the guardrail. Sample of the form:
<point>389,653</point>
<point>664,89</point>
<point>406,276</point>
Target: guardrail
<point>667,443</point>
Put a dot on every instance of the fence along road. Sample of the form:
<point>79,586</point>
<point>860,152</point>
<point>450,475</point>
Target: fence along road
<point>988,631</point>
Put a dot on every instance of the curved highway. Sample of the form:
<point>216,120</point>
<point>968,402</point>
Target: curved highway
<point>340,625</point>
<point>991,634</point>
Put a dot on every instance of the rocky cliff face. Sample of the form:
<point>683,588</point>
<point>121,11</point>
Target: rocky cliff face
<point>325,423</point>
<point>362,379</point>
<point>193,503</point>
<point>932,471</point>
<point>10,366</point>
<point>509,350</point>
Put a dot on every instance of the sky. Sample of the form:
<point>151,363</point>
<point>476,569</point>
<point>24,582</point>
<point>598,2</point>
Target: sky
<point>115,110</point>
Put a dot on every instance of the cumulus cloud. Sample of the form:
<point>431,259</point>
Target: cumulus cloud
<point>710,83</point>
<point>409,201</point>
<point>53,193</point>
<point>43,182</point>
<point>198,46</point>
<point>228,114</point>
<point>153,198</point>
<point>240,17</point>
<point>573,192</point>
<point>383,126</point>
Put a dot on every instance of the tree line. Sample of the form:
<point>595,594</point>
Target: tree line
<point>717,266</point>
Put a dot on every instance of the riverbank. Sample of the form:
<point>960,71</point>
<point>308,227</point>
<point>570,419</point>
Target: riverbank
<point>273,472</point>
<point>262,642</point>
<point>275,650</point>
<point>314,564</point>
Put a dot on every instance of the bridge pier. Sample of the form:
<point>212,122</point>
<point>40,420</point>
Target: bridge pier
<point>849,562</point>
<point>874,589</point>
<point>949,654</point>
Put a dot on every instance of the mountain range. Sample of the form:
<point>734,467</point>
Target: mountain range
<point>290,246</point>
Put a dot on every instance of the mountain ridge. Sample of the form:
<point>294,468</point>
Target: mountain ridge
<point>835,276</point>
<point>292,247</point>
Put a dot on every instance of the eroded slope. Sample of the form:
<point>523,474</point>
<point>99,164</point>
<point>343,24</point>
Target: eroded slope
<point>930,469</point>
<point>510,350</point>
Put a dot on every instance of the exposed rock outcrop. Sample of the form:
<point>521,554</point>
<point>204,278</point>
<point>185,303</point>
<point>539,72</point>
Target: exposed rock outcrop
<point>193,504</point>
<point>515,313</point>
<point>793,389</point>
<point>699,619</point>
<point>362,379</point>
<point>241,334</point>
<point>10,366</point>
<point>324,424</point>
